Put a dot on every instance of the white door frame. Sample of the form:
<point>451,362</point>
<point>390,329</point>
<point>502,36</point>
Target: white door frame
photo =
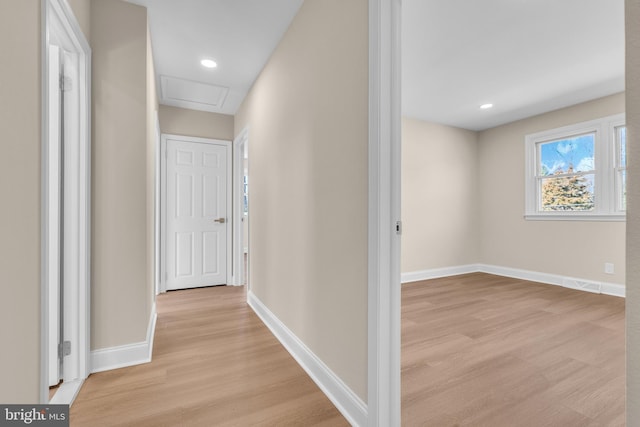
<point>238,192</point>
<point>384,305</point>
<point>163,202</point>
<point>157,227</point>
<point>60,27</point>
<point>54,194</point>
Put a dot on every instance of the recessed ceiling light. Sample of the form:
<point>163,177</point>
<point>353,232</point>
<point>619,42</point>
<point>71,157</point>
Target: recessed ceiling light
<point>486,106</point>
<point>209,63</point>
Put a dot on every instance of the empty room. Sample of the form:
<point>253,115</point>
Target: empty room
<point>321,212</point>
<point>513,206</point>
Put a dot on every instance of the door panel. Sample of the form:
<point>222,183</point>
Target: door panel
<point>210,187</point>
<point>54,213</point>
<point>196,177</point>
<point>184,196</point>
<point>210,246</point>
<point>184,254</point>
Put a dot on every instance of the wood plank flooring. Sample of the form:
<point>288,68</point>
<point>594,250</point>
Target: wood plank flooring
<point>482,350</point>
<point>477,350</point>
<point>214,364</point>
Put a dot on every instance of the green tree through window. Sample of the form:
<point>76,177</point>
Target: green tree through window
<point>567,193</point>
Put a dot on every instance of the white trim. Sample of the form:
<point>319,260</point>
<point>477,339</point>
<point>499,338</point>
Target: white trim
<point>586,285</point>
<point>534,276</point>
<point>435,273</point>
<point>157,230</point>
<point>53,213</point>
<point>162,202</point>
<point>384,212</point>
<point>60,26</point>
<point>238,172</point>
<point>615,217</point>
<point>556,279</point>
<point>162,286</point>
<point>67,392</point>
<point>604,170</point>
<point>613,289</point>
<point>126,355</point>
<point>347,402</point>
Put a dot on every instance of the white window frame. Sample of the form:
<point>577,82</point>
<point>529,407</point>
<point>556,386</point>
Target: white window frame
<point>618,170</point>
<point>606,187</point>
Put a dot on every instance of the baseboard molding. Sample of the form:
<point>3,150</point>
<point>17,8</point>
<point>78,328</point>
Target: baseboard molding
<point>614,289</point>
<point>347,402</point>
<point>534,276</point>
<point>558,280</point>
<point>106,359</point>
<point>435,273</point>
<point>66,393</point>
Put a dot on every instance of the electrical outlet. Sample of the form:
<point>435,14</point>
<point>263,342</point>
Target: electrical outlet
<point>608,268</point>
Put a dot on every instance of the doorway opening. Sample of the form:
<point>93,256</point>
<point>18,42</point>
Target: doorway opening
<point>241,209</point>
<point>65,274</point>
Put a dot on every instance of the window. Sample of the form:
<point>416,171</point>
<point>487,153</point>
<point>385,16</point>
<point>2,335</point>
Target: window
<point>577,172</point>
<point>245,193</point>
<point>621,168</point>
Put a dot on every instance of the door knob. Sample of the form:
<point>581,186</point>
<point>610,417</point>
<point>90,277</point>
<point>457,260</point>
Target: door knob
<point>220,220</point>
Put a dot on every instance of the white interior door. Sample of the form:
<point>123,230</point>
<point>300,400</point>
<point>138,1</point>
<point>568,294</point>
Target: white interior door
<point>241,209</point>
<point>66,204</point>
<point>196,213</point>
<point>70,213</point>
<point>54,211</point>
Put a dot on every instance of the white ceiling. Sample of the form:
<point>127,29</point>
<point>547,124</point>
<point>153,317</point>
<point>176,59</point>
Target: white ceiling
<point>239,35</point>
<point>524,56</point>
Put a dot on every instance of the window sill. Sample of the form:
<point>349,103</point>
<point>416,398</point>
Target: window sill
<point>576,217</point>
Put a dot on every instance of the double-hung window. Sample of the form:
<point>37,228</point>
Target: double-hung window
<point>621,168</point>
<point>577,172</point>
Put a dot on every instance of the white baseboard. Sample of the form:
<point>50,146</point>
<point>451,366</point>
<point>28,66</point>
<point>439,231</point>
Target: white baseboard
<point>435,273</point>
<point>558,280</point>
<point>347,402</point>
<point>122,356</point>
<point>613,289</point>
<point>66,393</point>
<point>534,276</point>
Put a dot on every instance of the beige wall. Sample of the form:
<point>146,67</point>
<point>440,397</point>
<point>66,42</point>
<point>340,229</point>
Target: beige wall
<point>633,211</point>
<point>308,114</point>
<point>569,248</point>
<point>20,190</point>
<point>120,274</point>
<point>180,121</point>
<point>439,196</point>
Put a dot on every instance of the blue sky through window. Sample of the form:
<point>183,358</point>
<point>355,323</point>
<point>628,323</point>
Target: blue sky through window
<point>558,156</point>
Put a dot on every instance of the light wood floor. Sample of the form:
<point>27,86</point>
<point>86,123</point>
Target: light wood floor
<point>482,350</point>
<point>477,350</point>
<point>214,364</point>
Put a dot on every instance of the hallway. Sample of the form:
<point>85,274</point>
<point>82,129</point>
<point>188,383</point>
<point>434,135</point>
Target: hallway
<point>214,363</point>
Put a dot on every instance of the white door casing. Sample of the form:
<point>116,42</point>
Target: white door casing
<point>383,398</point>
<point>65,231</point>
<point>240,221</point>
<point>197,212</point>
<point>63,206</point>
<point>53,208</point>
<point>71,179</point>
